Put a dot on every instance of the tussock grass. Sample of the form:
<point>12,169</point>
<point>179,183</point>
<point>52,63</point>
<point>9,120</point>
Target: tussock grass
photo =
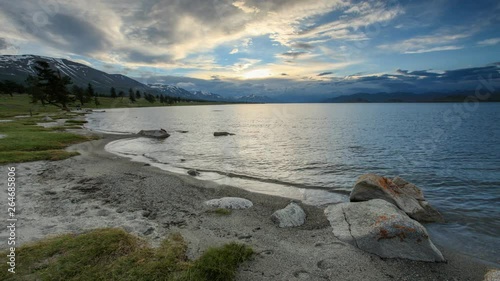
<point>24,142</point>
<point>112,254</point>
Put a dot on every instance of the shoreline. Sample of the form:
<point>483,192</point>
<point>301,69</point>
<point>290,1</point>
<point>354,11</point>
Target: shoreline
<point>100,189</point>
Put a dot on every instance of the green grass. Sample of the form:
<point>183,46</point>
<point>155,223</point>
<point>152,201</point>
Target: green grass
<point>112,254</point>
<point>21,105</point>
<point>72,121</point>
<point>221,211</point>
<point>24,141</point>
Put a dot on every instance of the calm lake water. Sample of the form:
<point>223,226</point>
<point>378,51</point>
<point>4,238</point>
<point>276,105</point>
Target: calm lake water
<point>315,152</point>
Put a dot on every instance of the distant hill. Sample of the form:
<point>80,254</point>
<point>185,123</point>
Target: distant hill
<point>18,68</point>
<point>408,97</point>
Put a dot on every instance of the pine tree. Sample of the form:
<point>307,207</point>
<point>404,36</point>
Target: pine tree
<point>113,92</point>
<point>137,94</point>
<point>49,86</point>
<point>131,95</point>
<point>89,93</point>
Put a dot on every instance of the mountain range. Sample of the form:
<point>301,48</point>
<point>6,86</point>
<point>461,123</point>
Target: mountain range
<point>460,96</point>
<point>18,67</point>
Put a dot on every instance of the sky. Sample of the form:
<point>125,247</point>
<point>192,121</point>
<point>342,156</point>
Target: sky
<point>294,47</point>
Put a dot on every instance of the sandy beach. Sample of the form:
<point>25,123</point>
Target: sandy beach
<point>99,189</point>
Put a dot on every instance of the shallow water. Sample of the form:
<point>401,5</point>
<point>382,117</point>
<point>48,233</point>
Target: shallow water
<point>315,152</point>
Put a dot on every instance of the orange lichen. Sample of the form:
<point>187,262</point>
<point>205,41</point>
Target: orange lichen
<point>402,227</point>
<point>389,185</point>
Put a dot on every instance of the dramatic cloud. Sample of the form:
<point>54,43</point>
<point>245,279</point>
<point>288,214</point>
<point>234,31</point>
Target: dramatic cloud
<point>255,40</point>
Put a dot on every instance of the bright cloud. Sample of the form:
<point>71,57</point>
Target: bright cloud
<point>252,39</point>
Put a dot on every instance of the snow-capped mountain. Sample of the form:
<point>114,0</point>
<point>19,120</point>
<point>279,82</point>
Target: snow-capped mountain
<point>254,98</point>
<point>17,68</point>
<point>208,96</point>
<point>171,90</point>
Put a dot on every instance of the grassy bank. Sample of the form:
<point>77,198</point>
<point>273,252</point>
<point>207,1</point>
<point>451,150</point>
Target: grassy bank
<point>24,141</point>
<point>112,254</point>
<point>21,105</point>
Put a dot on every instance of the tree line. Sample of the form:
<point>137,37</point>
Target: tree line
<point>49,86</point>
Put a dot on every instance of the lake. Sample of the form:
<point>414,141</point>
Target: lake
<point>315,153</point>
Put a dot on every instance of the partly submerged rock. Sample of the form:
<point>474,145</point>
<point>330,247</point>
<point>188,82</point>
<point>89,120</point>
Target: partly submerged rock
<point>229,203</point>
<point>220,134</point>
<point>290,216</point>
<point>193,172</point>
<point>399,192</point>
<point>159,134</point>
<point>379,227</point>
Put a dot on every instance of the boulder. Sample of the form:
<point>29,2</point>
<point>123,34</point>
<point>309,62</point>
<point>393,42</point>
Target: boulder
<point>229,203</point>
<point>397,191</point>
<point>380,228</point>
<point>492,275</point>
<point>220,134</point>
<point>193,172</point>
<point>291,216</point>
<point>47,119</point>
<point>159,134</point>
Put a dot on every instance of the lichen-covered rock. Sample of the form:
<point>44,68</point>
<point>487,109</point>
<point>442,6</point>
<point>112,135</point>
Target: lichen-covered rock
<point>290,216</point>
<point>397,191</point>
<point>229,203</point>
<point>380,228</point>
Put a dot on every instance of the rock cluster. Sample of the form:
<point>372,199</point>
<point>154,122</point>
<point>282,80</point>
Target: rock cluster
<point>383,218</point>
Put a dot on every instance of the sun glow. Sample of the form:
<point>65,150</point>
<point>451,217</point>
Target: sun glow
<point>257,73</point>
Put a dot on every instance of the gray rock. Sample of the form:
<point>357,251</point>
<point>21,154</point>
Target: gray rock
<point>380,228</point>
<point>220,134</point>
<point>229,203</point>
<point>148,231</point>
<point>492,275</point>
<point>47,119</point>
<point>291,216</point>
<point>399,192</point>
<point>159,134</point>
<point>193,172</point>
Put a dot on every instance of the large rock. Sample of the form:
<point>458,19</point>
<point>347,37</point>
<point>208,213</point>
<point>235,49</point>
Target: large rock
<point>399,192</point>
<point>492,275</point>
<point>159,134</point>
<point>379,227</point>
<point>193,172</point>
<point>291,216</point>
<point>229,203</point>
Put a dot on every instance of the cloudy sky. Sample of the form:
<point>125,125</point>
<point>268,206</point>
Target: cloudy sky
<point>322,47</point>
